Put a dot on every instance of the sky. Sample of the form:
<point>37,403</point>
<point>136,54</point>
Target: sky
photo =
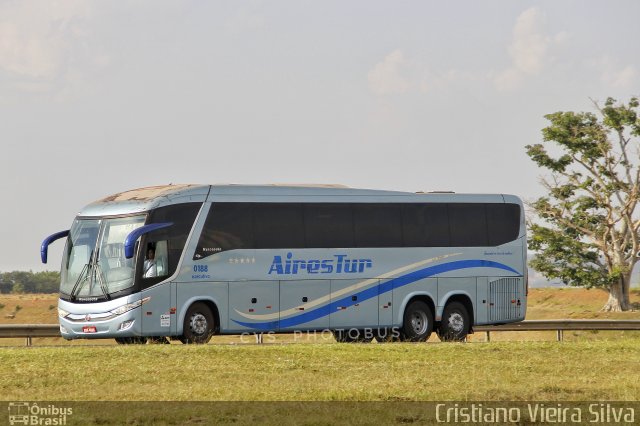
<point>101,97</point>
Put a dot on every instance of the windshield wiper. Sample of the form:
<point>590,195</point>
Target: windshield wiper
<point>101,280</point>
<point>77,287</point>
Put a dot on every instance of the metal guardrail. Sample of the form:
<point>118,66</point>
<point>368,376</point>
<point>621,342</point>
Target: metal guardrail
<point>30,331</point>
<point>560,326</point>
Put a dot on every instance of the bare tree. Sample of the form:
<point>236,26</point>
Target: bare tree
<point>588,233</point>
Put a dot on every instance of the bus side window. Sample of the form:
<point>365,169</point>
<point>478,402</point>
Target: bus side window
<point>155,262</point>
<point>228,227</point>
<point>425,225</point>
<point>377,225</point>
<point>167,243</point>
<point>468,225</point>
<point>503,223</point>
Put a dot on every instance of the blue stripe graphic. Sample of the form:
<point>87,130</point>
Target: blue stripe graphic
<point>375,291</point>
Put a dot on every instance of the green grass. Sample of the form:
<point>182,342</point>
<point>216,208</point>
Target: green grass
<point>583,370</point>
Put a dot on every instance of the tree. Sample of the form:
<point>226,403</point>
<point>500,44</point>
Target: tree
<point>587,234</point>
<point>29,282</point>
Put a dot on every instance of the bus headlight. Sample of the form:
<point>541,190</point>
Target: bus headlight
<point>62,313</point>
<point>129,306</point>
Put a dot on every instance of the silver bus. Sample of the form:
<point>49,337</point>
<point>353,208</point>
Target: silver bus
<point>189,261</point>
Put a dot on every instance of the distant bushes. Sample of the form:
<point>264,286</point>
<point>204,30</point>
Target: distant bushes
<point>29,282</point>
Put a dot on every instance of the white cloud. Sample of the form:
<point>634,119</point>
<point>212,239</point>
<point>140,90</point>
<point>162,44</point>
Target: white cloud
<point>529,49</point>
<point>529,46</point>
<point>619,77</point>
<point>398,74</point>
<point>388,77</point>
<point>36,37</point>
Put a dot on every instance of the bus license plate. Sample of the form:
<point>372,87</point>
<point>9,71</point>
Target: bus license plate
<point>89,329</point>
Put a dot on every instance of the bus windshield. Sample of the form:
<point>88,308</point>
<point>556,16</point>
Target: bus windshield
<point>94,264</point>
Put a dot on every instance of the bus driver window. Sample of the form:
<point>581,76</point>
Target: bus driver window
<point>155,262</point>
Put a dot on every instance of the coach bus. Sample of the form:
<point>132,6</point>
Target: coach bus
<point>189,261</point>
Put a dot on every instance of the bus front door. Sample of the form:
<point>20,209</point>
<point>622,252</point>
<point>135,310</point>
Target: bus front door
<point>156,312</point>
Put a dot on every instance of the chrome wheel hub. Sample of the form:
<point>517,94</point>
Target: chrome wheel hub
<point>419,322</point>
<point>456,322</point>
<point>198,323</point>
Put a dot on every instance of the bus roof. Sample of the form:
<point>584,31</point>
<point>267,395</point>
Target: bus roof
<point>144,199</point>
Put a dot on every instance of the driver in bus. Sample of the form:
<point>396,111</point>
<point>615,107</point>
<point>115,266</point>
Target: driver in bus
<point>150,267</point>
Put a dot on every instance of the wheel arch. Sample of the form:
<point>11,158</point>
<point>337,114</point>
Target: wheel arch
<point>211,304</point>
<point>460,297</point>
<point>422,296</point>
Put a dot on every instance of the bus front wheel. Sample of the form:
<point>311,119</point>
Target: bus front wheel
<point>198,324</point>
<point>418,322</point>
<point>455,323</point>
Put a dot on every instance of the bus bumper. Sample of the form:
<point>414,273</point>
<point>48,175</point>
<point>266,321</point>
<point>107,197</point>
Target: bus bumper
<point>100,323</point>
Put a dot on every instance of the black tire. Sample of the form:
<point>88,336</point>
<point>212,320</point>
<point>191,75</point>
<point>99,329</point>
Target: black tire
<point>352,335</point>
<point>198,324</point>
<point>136,340</point>
<point>455,324</point>
<point>417,323</point>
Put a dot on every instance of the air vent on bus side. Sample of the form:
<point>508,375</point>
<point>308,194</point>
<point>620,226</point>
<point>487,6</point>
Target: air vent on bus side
<point>505,299</point>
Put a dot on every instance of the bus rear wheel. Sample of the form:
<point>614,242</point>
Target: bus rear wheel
<point>455,323</point>
<point>198,324</point>
<point>418,322</point>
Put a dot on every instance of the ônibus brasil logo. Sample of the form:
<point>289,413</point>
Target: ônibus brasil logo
<point>31,413</point>
<point>339,264</point>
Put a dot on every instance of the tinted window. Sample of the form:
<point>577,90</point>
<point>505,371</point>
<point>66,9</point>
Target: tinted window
<point>328,225</point>
<point>278,225</point>
<point>425,225</point>
<point>503,223</point>
<point>339,225</point>
<point>467,225</point>
<point>228,226</point>
<point>182,216</point>
<point>377,225</point>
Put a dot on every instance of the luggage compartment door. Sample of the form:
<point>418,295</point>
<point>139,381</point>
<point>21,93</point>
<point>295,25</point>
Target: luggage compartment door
<point>254,306</point>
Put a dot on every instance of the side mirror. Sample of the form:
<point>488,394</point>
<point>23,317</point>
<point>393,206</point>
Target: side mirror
<point>130,241</point>
<point>44,247</point>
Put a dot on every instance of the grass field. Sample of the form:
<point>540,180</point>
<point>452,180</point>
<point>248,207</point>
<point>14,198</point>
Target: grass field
<point>383,372</point>
<point>589,366</point>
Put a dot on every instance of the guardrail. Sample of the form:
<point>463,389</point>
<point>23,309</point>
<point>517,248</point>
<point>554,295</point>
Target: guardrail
<point>560,326</point>
<point>30,331</point>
